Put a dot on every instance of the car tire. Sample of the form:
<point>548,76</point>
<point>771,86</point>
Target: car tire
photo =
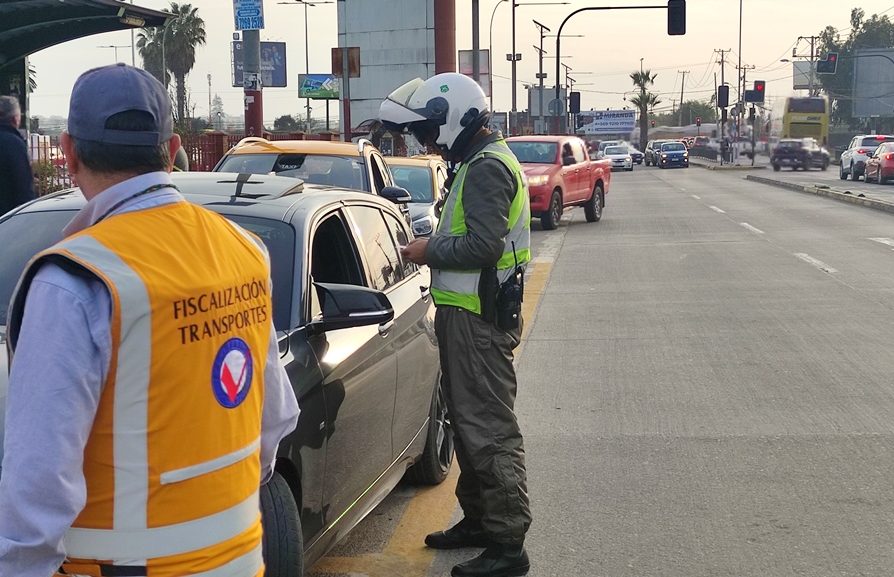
<point>434,464</point>
<point>841,173</point>
<point>550,219</point>
<point>776,168</point>
<point>593,208</point>
<point>629,169</point>
<point>283,544</point>
<point>825,166</point>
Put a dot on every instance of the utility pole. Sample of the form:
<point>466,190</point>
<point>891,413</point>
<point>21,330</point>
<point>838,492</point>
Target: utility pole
<point>476,47</point>
<point>720,121</point>
<point>812,40</point>
<point>210,121</point>
<point>743,69</point>
<point>540,75</point>
<point>682,85</point>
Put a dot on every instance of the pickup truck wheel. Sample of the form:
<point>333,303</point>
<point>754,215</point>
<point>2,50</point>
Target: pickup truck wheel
<point>550,219</point>
<point>282,544</point>
<point>593,208</point>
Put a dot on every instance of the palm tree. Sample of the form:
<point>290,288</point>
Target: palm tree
<point>644,100</point>
<point>185,31</point>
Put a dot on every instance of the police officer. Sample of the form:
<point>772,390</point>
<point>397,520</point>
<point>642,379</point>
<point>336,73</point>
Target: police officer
<point>479,248</point>
<point>129,450</point>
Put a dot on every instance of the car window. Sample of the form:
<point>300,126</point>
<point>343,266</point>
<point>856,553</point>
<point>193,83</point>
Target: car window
<point>340,171</point>
<point>21,237</point>
<point>382,258</point>
<point>379,176</point>
<point>616,150</point>
<point>534,152</point>
<point>673,147</point>
<point>417,181</point>
<point>442,180</point>
<point>333,258</point>
<point>279,238</point>
<point>875,140</point>
<point>400,235</point>
<point>578,150</point>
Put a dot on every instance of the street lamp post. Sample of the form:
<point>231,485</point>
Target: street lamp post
<point>306,3</point>
<point>540,74</point>
<point>490,52</point>
<point>115,47</point>
<point>515,57</point>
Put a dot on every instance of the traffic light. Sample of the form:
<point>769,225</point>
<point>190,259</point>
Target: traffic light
<point>756,95</point>
<point>676,17</point>
<point>652,123</point>
<point>723,96</point>
<point>574,103</point>
<point>829,65</point>
<point>698,120</point>
<point>751,116</point>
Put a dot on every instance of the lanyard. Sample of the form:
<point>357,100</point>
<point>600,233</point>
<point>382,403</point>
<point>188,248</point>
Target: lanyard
<point>122,202</point>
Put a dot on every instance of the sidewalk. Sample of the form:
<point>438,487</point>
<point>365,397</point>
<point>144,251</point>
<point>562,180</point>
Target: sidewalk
<point>744,163</point>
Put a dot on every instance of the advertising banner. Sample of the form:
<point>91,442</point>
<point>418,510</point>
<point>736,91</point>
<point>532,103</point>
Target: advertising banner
<point>248,14</point>
<point>606,121</point>
<point>273,64</point>
<point>318,86</point>
<point>466,67</point>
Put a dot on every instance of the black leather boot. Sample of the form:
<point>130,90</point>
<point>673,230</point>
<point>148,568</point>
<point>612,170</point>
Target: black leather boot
<point>496,561</point>
<point>466,533</point>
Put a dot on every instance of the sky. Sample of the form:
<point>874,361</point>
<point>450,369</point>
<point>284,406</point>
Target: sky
<point>602,47</point>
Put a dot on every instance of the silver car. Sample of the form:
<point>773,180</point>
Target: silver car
<point>620,157</point>
<point>853,160</point>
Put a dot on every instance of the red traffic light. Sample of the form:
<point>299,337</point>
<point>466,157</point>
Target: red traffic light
<point>698,120</point>
<point>653,124</point>
<point>832,57</point>
<point>760,85</point>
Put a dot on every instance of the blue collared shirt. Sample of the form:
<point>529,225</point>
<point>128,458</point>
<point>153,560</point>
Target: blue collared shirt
<point>61,361</point>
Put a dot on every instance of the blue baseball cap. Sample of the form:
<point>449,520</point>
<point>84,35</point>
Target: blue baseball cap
<point>103,92</point>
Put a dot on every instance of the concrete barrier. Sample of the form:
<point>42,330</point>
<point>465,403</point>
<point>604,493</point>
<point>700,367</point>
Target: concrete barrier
<point>840,195</point>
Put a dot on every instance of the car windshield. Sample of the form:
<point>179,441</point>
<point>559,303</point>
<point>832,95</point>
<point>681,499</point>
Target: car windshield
<point>873,141</point>
<point>534,152</point>
<point>25,234</point>
<point>417,180</point>
<point>673,147</point>
<point>790,144</point>
<point>340,171</point>
<point>616,150</point>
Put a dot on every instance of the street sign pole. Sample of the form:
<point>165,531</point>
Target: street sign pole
<point>251,83</point>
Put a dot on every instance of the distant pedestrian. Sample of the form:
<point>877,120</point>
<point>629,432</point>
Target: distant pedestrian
<point>16,178</point>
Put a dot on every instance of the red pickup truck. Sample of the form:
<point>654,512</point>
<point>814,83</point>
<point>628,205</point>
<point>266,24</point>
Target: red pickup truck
<point>561,174</point>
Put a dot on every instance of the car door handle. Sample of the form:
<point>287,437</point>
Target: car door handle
<point>426,292</point>
<point>385,328</point>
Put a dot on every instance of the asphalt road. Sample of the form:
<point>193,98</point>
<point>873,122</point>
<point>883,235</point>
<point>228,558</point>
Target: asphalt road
<point>705,390</point>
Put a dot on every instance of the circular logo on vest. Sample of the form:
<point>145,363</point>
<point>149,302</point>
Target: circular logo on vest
<point>231,374</point>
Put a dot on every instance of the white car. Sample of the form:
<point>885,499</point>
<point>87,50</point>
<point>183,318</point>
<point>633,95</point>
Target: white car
<point>853,160</point>
<point>620,157</point>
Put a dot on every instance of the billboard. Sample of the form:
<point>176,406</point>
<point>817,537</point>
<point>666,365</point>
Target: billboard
<point>873,82</point>
<point>248,14</point>
<point>801,75</point>
<point>465,67</point>
<point>318,86</point>
<point>606,121</point>
<point>273,64</point>
<point>499,121</point>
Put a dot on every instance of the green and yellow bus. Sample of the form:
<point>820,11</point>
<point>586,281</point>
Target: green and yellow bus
<point>806,117</point>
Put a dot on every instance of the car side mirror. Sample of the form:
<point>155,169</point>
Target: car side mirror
<point>396,194</point>
<point>567,160</point>
<point>350,306</point>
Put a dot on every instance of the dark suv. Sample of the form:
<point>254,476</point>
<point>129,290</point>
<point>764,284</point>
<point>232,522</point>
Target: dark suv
<point>800,153</point>
<point>356,334</point>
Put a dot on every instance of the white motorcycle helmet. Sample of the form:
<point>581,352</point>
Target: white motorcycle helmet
<point>446,110</point>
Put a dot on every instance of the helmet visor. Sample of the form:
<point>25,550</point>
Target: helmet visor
<point>425,131</point>
<point>403,94</point>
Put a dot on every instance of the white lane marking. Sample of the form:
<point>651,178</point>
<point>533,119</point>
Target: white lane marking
<point>887,241</point>
<point>817,263</point>
<point>751,228</point>
<point>715,209</point>
<point>695,196</point>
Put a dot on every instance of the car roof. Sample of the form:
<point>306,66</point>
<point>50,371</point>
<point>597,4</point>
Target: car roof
<point>541,138</point>
<point>254,145</point>
<point>273,197</point>
<point>428,160</point>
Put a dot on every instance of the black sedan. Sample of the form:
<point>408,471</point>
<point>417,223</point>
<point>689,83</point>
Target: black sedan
<point>636,155</point>
<point>356,333</point>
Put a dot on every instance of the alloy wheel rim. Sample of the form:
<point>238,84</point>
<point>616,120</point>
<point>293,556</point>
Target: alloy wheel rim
<point>444,437</point>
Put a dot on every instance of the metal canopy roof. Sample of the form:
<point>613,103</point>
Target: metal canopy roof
<point>27,26</point>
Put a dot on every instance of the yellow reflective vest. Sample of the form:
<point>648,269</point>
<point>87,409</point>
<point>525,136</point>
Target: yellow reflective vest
<point>172,463</point>
<point>459,288</point>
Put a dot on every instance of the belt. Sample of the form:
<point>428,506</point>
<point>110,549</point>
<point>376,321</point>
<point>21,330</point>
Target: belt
<point>104,570</point>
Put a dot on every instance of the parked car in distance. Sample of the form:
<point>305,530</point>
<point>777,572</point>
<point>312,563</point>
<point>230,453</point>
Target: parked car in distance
<point>802,153</point>
<point>357,166</point>
<point>560,174</point>
<point>880,164</point>
<point>423,177</point>
<point>635,154</point>
<point>620,157</point>
<point>853,159</point>
<point>653,150</point>
<point>673,154</point>
<point>355,328</point>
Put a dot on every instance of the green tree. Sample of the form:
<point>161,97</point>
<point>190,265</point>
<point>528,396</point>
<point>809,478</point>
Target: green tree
<point>149,44</point>
<point>874,32</point>
<point>691,110</point>
<point>286,123</point>
<point>186,32</point>
<point>644,100</point>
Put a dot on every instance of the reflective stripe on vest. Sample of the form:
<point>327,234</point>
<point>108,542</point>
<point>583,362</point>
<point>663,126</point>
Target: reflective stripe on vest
<point>459,288</point>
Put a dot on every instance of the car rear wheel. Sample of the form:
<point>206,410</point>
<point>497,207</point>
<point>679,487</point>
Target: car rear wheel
<point>437,457</point>
<point>282,543</point>
<point>593,208</point>
<point>776,168</point>
<point>550,218</point>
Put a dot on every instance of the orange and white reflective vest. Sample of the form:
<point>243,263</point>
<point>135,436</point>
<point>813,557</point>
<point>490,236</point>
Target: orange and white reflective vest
<point>172,463</point>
